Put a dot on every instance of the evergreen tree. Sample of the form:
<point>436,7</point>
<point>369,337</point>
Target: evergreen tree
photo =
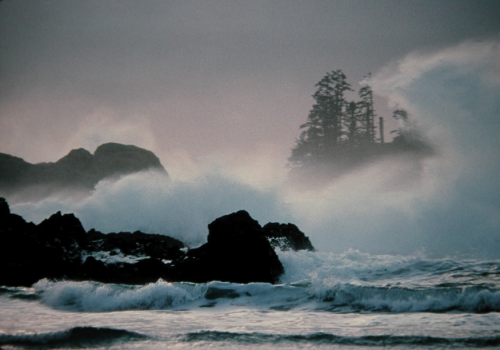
<point>343,133</point>
<point>355,130</point>
<point>324,130</point>
<point>368,112</point>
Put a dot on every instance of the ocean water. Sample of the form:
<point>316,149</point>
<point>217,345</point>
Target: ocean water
<point>325,300</point>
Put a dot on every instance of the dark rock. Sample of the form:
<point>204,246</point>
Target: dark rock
<point>66,237</point>
<point>137,243</point>
<point>113,159</point>
<point>236,251</point>
<point>56,247</point>
<point>24,259</point>
<point>67,225</point>
<point>4,208</point>
<point>94,269</point>
<point>144,271</point>
<point>233,225</point>
<point>286,237</point>
<point>148,270</point>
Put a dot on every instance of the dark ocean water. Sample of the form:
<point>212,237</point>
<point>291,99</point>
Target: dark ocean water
<point>347,301</point>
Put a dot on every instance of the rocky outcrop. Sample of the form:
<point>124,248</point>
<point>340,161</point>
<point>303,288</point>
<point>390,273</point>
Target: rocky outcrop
<point>287,237</point>
<point>238,250</point>
<point>116,159</point>
<point>79,170</point>
<point>135,244</point>
<point>60,248</point>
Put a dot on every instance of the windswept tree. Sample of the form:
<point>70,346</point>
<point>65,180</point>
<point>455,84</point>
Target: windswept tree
<point>343,134</point>
<point>324,130</point>
<point>352,124</point>
<point>367,111</point>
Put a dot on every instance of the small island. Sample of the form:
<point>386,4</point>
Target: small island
<point>341,135</point>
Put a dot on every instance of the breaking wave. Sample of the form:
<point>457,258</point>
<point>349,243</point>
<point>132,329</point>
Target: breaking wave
<point>350,282</point>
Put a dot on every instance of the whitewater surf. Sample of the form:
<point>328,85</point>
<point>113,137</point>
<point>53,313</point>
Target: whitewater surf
<point>350,300</point>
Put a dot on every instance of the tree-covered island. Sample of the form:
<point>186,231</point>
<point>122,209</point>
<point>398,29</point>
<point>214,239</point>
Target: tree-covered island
<point>340,135</point>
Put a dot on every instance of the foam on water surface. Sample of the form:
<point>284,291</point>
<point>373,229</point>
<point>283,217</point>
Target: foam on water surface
<point>349,282</point>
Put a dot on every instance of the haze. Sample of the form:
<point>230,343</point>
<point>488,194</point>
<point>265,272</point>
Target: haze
<point>218,91</point>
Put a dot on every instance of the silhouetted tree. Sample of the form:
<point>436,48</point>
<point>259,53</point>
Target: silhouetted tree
<point>368,111</point>
<point>352,123</point>
<point>343,134</point>
<point>324,130</point>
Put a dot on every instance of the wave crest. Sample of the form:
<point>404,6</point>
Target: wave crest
<point>97,297</point>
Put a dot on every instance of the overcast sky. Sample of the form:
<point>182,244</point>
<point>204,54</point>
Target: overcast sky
<point>218,90</point>
<point>191,79</point>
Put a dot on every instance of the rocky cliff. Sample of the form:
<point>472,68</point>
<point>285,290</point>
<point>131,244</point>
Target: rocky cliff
<point>79,170</point>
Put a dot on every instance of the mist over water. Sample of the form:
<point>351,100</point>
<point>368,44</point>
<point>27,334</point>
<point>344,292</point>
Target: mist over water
<point>151,203</point>
<point>444,205</point>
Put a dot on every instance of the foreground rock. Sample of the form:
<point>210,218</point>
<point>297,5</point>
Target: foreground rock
<point>287,237</point>
<point>238,250</point>
<point>78,171</point>
<point>59,248</point>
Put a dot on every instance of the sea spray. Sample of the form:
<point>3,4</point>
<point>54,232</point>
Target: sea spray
<point>150,203</point>
<point>97,297</point>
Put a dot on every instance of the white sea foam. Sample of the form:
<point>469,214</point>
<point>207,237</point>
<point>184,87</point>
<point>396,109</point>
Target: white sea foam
<point>355,267</point>
<point>91,296</point>
<point>112,257</point>
<point>335,282</point>
<point>357,281</point>
<point>149,202</point>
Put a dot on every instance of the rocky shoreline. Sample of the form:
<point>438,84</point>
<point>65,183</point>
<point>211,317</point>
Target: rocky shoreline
<point>238,250</point>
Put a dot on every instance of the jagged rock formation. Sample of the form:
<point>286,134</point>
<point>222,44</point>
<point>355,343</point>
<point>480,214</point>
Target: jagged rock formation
<point>79,170</point>
<point>238,250</point>
<point>60,248</point>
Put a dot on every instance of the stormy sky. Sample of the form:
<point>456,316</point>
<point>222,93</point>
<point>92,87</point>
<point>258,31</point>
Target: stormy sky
<point>190,79</point>
<point>221,88</point>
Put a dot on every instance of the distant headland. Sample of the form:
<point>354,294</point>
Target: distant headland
<point>79,170</point>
